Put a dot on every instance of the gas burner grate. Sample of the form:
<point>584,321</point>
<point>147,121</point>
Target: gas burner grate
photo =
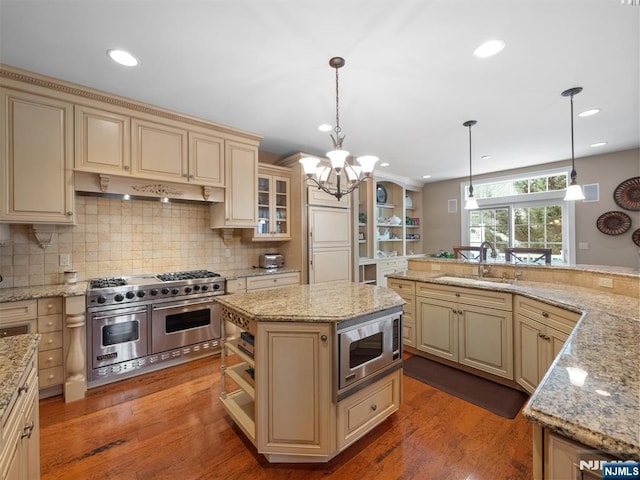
<point>168,277</point>
<point>108,282</point>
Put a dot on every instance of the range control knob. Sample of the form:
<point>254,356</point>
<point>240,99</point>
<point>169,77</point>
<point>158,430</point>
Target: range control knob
<point>118,298</point>
<point>153,291</point>
<point>205,288</point>
<point>187,289</point>
<point>141,293</point>
<point>102,299</point>
<point>175,291</point>
<point>130,295</point>
<point>216,286</point>
<point>196,287</point>
<point>165,291</point>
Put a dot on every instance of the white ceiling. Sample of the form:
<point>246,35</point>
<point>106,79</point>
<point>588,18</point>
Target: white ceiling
<point>409,83</point>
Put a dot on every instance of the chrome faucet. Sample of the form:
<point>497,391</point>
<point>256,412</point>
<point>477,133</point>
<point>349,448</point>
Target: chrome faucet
<point>483,252</point>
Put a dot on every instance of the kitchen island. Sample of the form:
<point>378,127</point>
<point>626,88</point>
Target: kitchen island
<point>280,385</point>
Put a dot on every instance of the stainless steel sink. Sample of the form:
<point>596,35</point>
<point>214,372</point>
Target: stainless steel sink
<point>485,281</point>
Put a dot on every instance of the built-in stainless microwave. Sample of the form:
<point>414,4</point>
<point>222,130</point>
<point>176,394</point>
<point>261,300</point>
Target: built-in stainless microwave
<point>368,348</point>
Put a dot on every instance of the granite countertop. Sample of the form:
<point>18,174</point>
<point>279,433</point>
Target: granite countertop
<point>42,291</point>
<point>15,353</point>
<point>603,412</point>
<point>326,302</point>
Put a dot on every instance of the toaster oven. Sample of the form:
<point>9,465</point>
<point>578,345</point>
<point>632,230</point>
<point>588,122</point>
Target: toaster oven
<point>271,260</point>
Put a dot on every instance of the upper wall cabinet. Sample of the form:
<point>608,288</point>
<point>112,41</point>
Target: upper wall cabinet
<point>206,159</point>
<point>240,206</point>
<point>103,141</point>
<point>159,151</point>
<point>36,159</point>
<point>274,190</point>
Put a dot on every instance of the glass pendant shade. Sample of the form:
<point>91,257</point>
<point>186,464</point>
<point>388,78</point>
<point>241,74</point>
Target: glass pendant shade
<point>574,192</point>
<point>367,162</point>
<point>353,172</point>
<point>309,165</point>
<point>471,204</point>
<point>322,173</point>
<point>337,158</point>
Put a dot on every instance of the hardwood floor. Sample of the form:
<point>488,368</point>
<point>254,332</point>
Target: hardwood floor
<point>170,425</point>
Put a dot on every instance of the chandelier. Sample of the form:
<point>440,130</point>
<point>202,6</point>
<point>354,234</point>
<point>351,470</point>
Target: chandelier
<point>320,172</point>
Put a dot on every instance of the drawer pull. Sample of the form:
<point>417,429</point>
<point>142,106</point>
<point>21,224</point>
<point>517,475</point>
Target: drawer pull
<point>374,407</point>
<point>50,341</point>
<point>457,294</point>
<point>26,432</point>
<point>23,389</point>
<point>545,314</point>
<point>49,306</point>
<point>50,359</point>
<point>51,376</point>
<point>49,324</point>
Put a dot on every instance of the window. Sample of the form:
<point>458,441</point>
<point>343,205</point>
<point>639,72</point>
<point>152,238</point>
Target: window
<point>526,212</point>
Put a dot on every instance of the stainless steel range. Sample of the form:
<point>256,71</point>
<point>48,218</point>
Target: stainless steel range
<point>146,322</point>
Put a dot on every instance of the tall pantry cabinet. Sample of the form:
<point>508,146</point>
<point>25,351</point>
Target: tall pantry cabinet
<point>321,243</point>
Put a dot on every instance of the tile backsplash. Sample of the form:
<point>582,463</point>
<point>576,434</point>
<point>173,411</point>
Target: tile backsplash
<point>125,237</point>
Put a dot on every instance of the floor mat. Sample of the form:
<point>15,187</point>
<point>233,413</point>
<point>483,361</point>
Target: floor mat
<point>496,398</point>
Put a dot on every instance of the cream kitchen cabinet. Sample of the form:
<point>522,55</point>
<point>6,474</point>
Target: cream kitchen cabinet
<point>102,141</point>
<point>390,265</point>
<point>468,326</point>
<point>50,356</point>
<point>407,290</point>
<point>330,250</point>
<point>540,333</point>
<point>159,151</point>
<point>36,159</point>
<point>20,454</point>
<point>240,206</point>
<point>274,187</point>
<point>283,422</point>
<point>272,280</point>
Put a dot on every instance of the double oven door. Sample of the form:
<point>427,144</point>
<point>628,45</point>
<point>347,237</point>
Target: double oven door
<point>121,334</point>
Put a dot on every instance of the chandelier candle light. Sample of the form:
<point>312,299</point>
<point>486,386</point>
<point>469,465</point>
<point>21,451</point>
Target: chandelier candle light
<point>472,203</point>
<point>319,172</point>
<point>574,191</point>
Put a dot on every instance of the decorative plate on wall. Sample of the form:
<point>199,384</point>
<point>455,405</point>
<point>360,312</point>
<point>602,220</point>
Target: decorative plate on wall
<point>635,236</point>
<point>613,223</point>
<point>627,194</point>
<point>381,194</point>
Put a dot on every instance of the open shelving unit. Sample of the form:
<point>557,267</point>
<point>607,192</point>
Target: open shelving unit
<point>240,403</point>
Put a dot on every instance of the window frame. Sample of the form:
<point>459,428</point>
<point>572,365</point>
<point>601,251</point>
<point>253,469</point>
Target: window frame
<point>537,199</point>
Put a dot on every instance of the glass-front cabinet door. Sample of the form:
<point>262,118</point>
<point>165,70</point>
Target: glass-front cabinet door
<point>273,205</point>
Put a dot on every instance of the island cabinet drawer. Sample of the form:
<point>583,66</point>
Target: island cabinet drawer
<point>262,282</point>
<point>51,376</point>
<point>50,358</point>
<point>49,323</point>
<point>11,312</point>
<point>471,296</point>
<point>407,287</point>
<point>49,306</point>
<point>50,341</point>
<point>360,412</point>
<point>547,314</point>
<point>237,285</point>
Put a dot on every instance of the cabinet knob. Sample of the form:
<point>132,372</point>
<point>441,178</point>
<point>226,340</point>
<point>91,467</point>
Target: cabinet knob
<point>50,359</point>
<point>545,314</point>
<point>454,310</point>
<point>126,167</point>
<point>190,176</point>
<point>23,389</point>
<point>49,324</point>
<point>26,432</point>
<point>184,175</point>
<point>323,338</point>
<point>70,214</point>
<point>374,407</point>
<point>460,312</point>
<point>457,294</point>
<point>50,341</point>
<point>49,306</point>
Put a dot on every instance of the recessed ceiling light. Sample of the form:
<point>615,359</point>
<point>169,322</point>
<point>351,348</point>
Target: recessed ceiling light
<point>588,113</point>
<point>122,57</point>
<point>384,164</point>
<point>325,128</point>
<point>489,48</point>
<point>426,176</point>
<point>485,157</point>
<point>599,144</point>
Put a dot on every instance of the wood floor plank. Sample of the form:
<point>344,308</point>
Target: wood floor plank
<point>170,424</point>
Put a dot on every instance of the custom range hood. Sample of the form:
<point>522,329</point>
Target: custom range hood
<point>114,186</point>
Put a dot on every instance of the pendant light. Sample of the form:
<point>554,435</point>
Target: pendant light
<point>319,172</point>
<point>472,203</point>
<point>574,191</point>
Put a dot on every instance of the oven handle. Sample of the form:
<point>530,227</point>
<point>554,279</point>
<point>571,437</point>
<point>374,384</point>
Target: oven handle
<point>170,307</point>
<point>104,317</point>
